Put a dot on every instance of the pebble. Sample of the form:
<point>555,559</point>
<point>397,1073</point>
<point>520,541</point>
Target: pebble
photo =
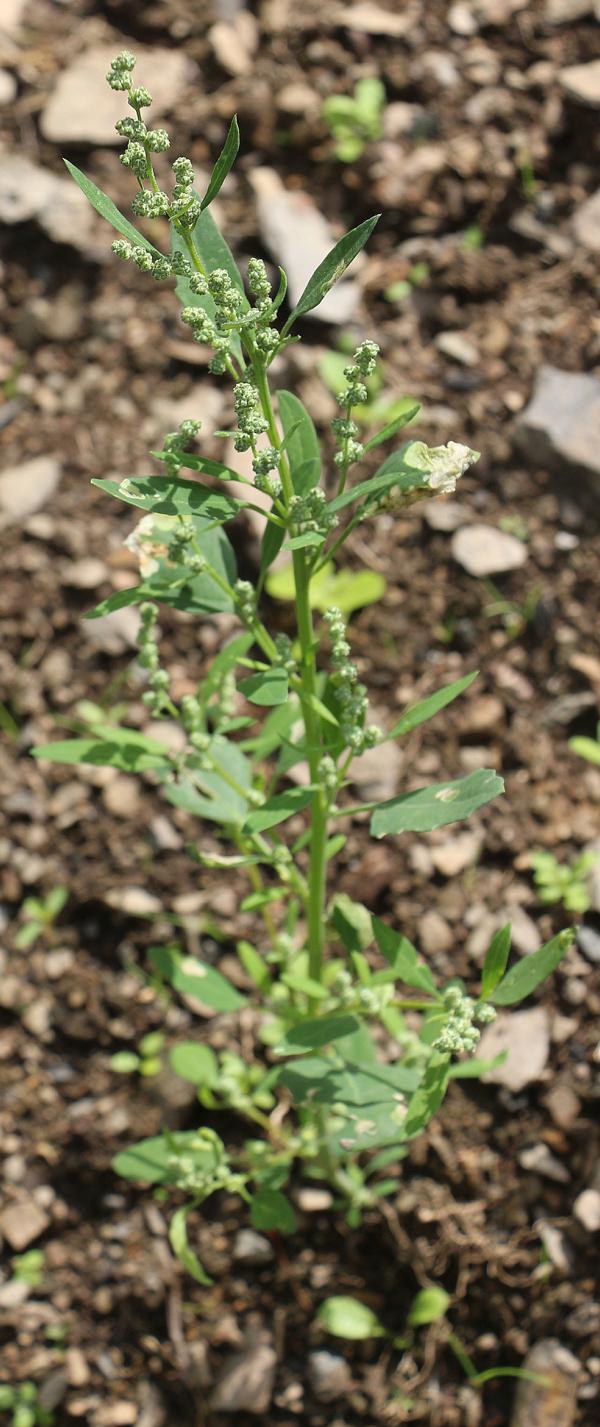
<point>587,1210</point>
<point>586,223</point>
<point>564,12</point>
<point>462,20</point>
<point>8,85</point>
<point>561,424</point>
<point>83,109</point>
<point>234,42</point>
<point>484,550</point>
<point>458,348</point>
<point>86,574</point>
<point>165,836</point>
<point>58,962</point>
<point>14,1294</point>
<point>525,936</point>
<point>557,1245</point>
<point>564,1106</point>
<point>245,1383</point>
<point>539,1159</point>
<point>313,1201</point>
<point>445,515</point>
<point>525,1035</point>
<point>554,1404</point>
<point>299,237</point>
<point>134,901</point>
<point>10,17</point>
<point>37,1019</point>
<point>582,82</point>
<point>28,192</point>
<point>376,773</point>
<point>113,633</point>
<point>435,935</point>
<point>328,1374</point>
<point>23,1222</point>
<point>77,1370</point>
<point>588,941</point>
<point>251,1248</point>
<point>456,854</point>
<point>26,488</point>
<point>115,1414</point>
<point>121,797</point>
<point>370,19</point>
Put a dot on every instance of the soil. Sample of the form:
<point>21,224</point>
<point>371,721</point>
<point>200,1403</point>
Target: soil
<point>94,372</point>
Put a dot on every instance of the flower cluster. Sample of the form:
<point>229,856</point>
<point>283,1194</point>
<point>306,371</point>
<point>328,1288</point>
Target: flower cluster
<point>204,1166</point>
<point>459,1033</point>
<point>176,443</point>
<point>351,696</point>
<point>309,513</point>
<point>250,420</point>
<point>371,999</point>
<point>156,696</point>
<point>345,430</point>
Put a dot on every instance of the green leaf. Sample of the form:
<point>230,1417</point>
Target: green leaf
<point>272,542</point>
<point>428,1306</point>
<point>195,1062</point>
<point>426,708</point>
<point>317,1032</point>
<point>206,794</point>
<point>191,977</point>
<point>437,805</point>
<point>270,1209</point>
<point>494,965</point>
<point>214,253</point>
<point>55,901</point>
<point>348,590</point>
<point>406,410</point>
<point>224,662</point>
<point>402,957</point>
<point>352,922</point>
<point>165,496</point>
<point>114,748</point>
<point>278,808</point>
<point>254,965</point>
<point>474,1068</point>
<point>331,269</point>
<point>107,209</point>
<point>305,985</point>
<point>302,443</point>
<point>268,688</point>
<point>178,1240</point>
<point>174,585</point>
<point>347,1317</point>
<point>150,1161</point>
<point>523,978</point>
<point>428,1097</point>
<point>224,163</point>
<point>588,748</point>
<point>124,1062</point>
<point>303,542</point>
<point>190,461</point>
<point>395,471</point>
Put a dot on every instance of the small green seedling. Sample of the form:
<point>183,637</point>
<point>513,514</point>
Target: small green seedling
<point>565,882</point>
<point>355,120</point>
<point>29,1268</point>
<point>40,915</point>
<point>349,1042</point>
<point>145,1061</point>
<point>588,748</point>
<point>22,1402</point>
<point>402,289</point>
<point>516,615</point>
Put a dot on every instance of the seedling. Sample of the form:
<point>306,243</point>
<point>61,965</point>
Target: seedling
<point>40,915</point>
<point>588,748</point>
<point>565,882</point>
<point>29,1268</point>
<point>270,736</point>
<point>21,1401</point>
<point>355,120</point>
<point>145,1061</point>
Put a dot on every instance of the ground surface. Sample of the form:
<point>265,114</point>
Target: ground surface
<point>95,368</point>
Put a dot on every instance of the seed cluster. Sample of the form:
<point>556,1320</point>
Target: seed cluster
<point>345,430</point>
<point>459,1032</point>
<point>351,696</point>
<point>156,696</point>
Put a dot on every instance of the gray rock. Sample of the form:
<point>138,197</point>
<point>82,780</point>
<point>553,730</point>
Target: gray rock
<point>484,550</point>
<point>8,85</point>
<point>458,347</point>
<point>561,425</point>
<point>586,223</point>
<point>83,109</point>
<point>113,633</point>
<point>370,19</point>
<point>251,1248</point>
<point>557,1246</point>
<point>13,1294</point>
<point>539,1159</point>
<point>456,853</point>
<point>588,941</point>
<point>11,16</point>
<point>234,42</point>
<point>299,237</point>
<point>22,1222</point>
<point>525,1036</point>
<point>462,20</point>
<point>587,1210</point>
<point>375,773</point>
<point>28,192</point>
<point>329,1375</point>
<point>564,12</point>
<point>25,489</point>
<point>435,935</point>
<point>134,901</point>
<point>245,1383</point>
<point>582,82</point>
<point>446,515</point>
<point>550,1404</point>
<point>525,936</point>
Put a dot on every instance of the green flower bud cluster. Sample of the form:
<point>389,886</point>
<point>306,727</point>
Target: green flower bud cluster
<point>309,512</point>
<point>351,696</point>
<point>245,598</point>
<point>191,1172</point>
<point>345,430</point>
<point>150,205</point>
<point>264,462</point>
<point>250,420</point>
<point>156,696</point>
<point>160,267</point>
<point>176,443</point>
<point>258,280</point>
<point>328,775</point>
<point>459,1032</point>
<point>192,719</point>
<point>185,205</point>
<point>121,68</point>
<point>285,653</point>
<point>370,999</point>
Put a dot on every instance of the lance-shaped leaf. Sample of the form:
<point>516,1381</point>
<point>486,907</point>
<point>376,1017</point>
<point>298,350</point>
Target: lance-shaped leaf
<point>428,1097</point>
<point>302,443</point>
<point>494,965</point>
<point>426,708</point>
<point>268,688</point>
<point>122,748</point>
<point>178,1240</point>
<point>278,809</point>
<point>221,666</point>
<point>406,410</point>
<point>402,957</point>
<point>192,977</point>
<point>214,252</point>
<point>523,978</point>
<point>441,803</point>
<point>165,496</point>
<point>193,462</point>
<point>332,269</point>
<point>224,163</point>
<point>108,210</point>
<point>395,471</point>
<point>195,1062</point>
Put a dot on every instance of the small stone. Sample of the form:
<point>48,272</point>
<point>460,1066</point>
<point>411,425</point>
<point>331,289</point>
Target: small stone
<point>483,550</point>
<point>525,1035</point>
<point>23,1222</point>
<point>115,1414</point>
<point>584,1320</point>
<point>370,19</point>
<point>245,1383</point>
<point>458,347</point>
<point>8,85</point>
<point>251,1248</point>
<point>525,936</point>
<point>556,1244</point>
<point>78,1373</point>
<point>299,237</point>
<point>59,962</point>
<point>165,836</point>
<point>564,12</point>
<point>445,515</point>
<point>582,82</point>
<point>329,1375</point>
<point>481,714</point>
<point>551,1404</point>
<point>375,773</point>
<point>37,1019</point>
<point>588,941</point>
<point>564,1106</point>
<point>435,935</point>
<point>114,633</point>
<point>587,1210</point>
<point>26,488</point>
<point>14,1294</point>
<point>27,191</point>
<point>561,425</point>
<point>11,16</point>
<point>313,1201</point>
<point>121,797</point>
<point>456,854</point>
<point>134,901</point>
<point>234,42</point>
<point>83,109</point>
<point>539,1159</point>
<point>86,574</point>
<point>461,19</point>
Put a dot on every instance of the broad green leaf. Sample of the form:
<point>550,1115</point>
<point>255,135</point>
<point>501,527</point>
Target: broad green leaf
<point>328,1080</point>
<point>278,808</point>
<point>165,496</point>
<point>426,708</point>
<point>270,1209</point>
<point>437,805</point>
<point>122,748</point>
<point>315,1033</point>
<point>268,688</point>
<point>275,730</point>
<point>190,461</point>
<point>402,957</point>
<point>405,412</point>
<point>494,965</point>
<point>428,1097</point>
<point>395,471</point>
<point>150,1161</point>
<point>191,977</point>
<point>195,1062</point>
<point>174,585</point>
<point>352,922</point>
<point>124,1062</point>
<point>272,542</point>
<point>331,269</point>
<point>254,965</point>
<point>305,984</point>
<point>305,541</point>
<point>206,794</point>
<point>348,590</point>
<point>107,209</point>
<point>224,163</point>
<point>428,1306</point>
<point>523,978</point>
<point>474,1068</point>
<point>302,443</point>
<point>178,1240</point>
<point>347,1317</point>
<point>224,662</point>
<point>55,901</point>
